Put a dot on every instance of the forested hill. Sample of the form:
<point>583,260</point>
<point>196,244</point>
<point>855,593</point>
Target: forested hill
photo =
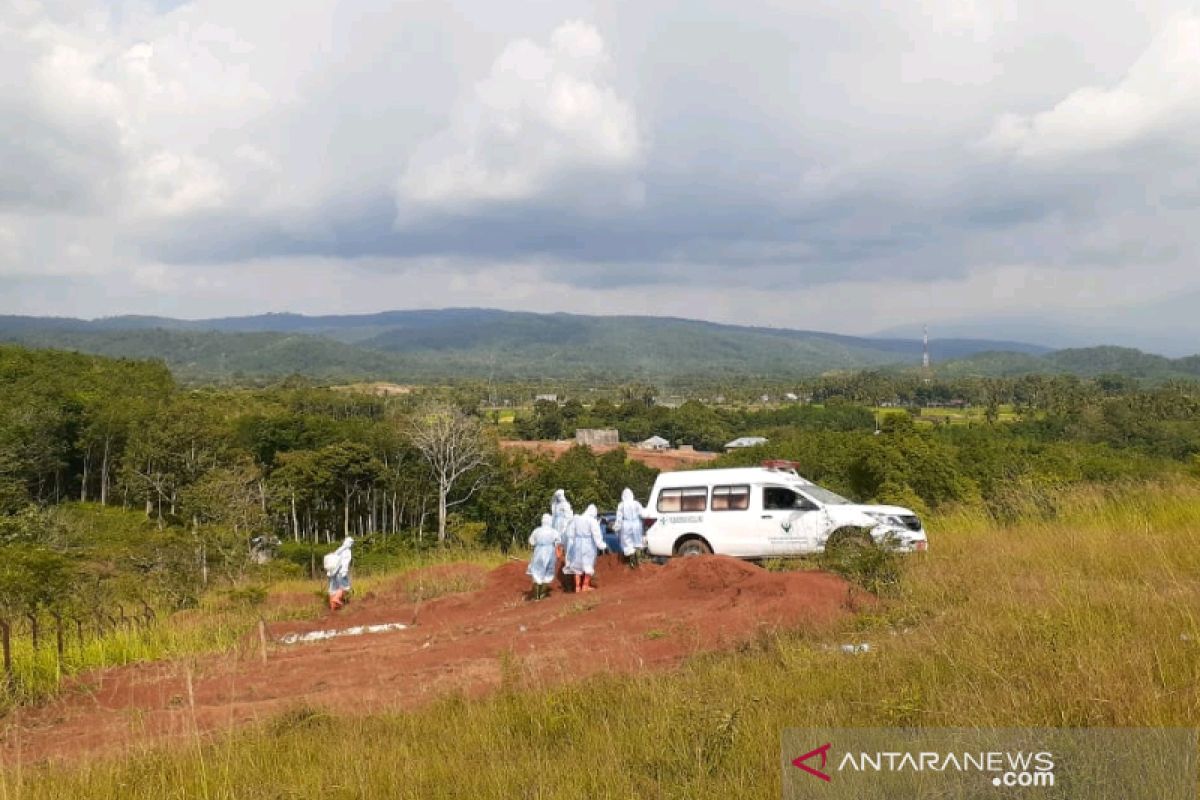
<point>479,343</point>
<point>1085,362</point>
<point>418,346</point>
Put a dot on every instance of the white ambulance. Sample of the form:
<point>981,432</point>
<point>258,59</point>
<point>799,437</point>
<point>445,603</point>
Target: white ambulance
<point>766,512</point>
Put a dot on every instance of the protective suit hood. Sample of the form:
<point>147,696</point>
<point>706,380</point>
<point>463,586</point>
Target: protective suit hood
<point>627,496</point>
<point>547,520</point>
<point>591,512</point>
<point>559,495</point>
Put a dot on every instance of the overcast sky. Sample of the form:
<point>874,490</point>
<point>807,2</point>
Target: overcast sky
<point>831,165</point>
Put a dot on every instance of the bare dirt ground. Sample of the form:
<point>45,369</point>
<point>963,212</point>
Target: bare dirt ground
<point>653,617</point>
<point>659,459</point>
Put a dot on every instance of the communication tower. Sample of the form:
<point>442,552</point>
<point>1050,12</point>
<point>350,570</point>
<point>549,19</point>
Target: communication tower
<point>926,372</point>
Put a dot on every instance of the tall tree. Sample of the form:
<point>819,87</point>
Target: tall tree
<point>454,447</point>
<point>351,469</point>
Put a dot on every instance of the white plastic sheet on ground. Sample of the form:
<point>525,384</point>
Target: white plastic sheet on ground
<point>358,630</point>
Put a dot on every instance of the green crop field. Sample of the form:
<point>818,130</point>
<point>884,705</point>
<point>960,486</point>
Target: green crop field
<point>951,416</point>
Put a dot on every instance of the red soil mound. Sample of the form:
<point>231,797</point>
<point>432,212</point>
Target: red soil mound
<point>654,616</point>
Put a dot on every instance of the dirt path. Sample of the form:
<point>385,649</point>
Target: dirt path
<point>650,618</point>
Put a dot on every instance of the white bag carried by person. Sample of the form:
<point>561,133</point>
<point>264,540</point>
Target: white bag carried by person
<point>331,562</point>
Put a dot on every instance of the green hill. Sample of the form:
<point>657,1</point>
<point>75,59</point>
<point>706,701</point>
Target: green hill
<point>458,343</point>
<point>200,356</point>
<point>435,345</point>
<point>1085,362</point>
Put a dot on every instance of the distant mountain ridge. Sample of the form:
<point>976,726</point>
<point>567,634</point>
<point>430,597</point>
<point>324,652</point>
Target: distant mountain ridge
<point>350,327</point>
<point>423,345</point>
<point>1085,362</point>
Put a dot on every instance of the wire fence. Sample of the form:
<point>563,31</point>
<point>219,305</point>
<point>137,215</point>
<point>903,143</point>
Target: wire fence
<point>62,632</point>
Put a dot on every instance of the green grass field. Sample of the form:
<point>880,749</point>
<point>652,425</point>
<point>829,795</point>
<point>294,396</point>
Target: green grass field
<point>1087,619</point>
<point>951,416</point>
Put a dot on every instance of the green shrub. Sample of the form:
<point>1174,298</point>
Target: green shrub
<point>875,567</point>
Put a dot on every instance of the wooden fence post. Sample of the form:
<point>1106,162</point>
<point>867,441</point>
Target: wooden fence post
<point>6,642</point>
<point>58,633</point>
<point>262,639</point>
<point>33,629</point>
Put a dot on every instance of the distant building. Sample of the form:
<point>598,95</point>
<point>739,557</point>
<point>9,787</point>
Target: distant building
<point>746,441</point>
<point>655,443</point>
<point>549,398</point>
<point>791,397</point>
<point>597,437</point>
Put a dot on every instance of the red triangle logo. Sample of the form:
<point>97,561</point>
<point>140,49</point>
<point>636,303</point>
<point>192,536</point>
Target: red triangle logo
<point>823,752</point>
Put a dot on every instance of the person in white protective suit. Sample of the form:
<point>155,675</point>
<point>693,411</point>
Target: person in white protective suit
<point>629,529</point>
<point>543,563</point>
<point>562,514</point>
<point>583,543</point>
<point>337,568</point>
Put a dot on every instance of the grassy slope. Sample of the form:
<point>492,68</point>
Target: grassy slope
<point>222,619</point>
<point>1085,621</point>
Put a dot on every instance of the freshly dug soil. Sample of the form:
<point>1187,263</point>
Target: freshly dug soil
<point>651,617</point>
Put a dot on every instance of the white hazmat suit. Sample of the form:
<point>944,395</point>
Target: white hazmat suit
<point>543,563</point>
<point>584,541</point>
<point>561,512</point>
<point>338,566</point>
<point>629,524</point>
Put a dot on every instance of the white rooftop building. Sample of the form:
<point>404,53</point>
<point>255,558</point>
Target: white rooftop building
<point>746,441</point>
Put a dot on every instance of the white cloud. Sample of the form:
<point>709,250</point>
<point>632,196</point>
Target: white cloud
<point>545,121</point>
<point>1159,93</point>
<point>728,160</point>
<point>170,184</point>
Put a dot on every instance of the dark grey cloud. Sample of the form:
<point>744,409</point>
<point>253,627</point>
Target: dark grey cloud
<point>957,148</point>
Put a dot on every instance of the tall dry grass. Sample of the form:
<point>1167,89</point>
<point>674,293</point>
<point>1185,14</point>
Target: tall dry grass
<point>222,620</point>
<point>1086,619</point>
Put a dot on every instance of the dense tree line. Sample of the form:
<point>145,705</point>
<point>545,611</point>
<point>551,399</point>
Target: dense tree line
<point>210,470</point>
<point>1066,430</point>
<point>293,462</point>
